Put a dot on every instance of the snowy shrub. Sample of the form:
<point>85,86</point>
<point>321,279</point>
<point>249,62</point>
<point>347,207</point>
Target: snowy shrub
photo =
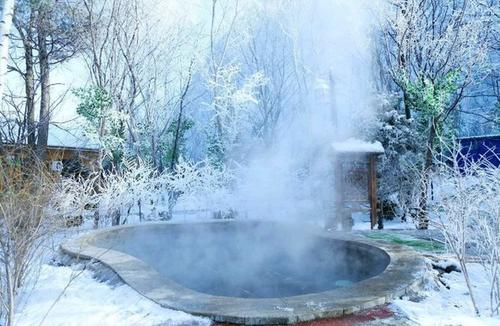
<point>75,196</point>
<point>120,189</point>
<point>112,195</point>
<point>26,192</point>
<point>199,184</point>
<point>402,161</point>
<point>467,209</point>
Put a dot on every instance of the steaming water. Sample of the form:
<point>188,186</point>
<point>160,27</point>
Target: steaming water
<point>248,259</point>
<point>293,177</point>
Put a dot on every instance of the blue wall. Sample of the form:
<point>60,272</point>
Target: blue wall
<point>476,148</point>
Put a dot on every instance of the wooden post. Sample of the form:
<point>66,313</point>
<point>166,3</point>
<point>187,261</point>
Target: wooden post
<point>372,190</point>
<point>338,200</point>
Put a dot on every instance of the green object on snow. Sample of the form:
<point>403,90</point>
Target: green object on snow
<point>402,239</point>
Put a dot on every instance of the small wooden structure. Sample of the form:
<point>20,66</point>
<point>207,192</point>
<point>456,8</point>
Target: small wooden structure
<point>89,157</point>
<point>355,181</point>
<point>58,157</point>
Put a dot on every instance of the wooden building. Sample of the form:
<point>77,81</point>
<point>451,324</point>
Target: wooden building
<point>355,181</point>
<point>60,159</point>
<point>89,157</point>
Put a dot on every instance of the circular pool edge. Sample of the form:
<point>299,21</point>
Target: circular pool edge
<point>404,273</point>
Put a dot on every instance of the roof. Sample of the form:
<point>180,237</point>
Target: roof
<point>70,137</point>
<point>73,149</point>
<point>51,147</point>
<point>357,146</point>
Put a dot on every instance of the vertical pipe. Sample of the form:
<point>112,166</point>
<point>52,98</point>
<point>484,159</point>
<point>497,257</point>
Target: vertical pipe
<point>372,190</point>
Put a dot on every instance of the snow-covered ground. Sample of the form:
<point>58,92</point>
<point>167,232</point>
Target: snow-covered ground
<point>362,222</point>
<point>71,296</point>
<point>75,295</point>
<point>442,306</point>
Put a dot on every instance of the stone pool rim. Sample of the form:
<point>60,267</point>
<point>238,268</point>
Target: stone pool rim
<point>404,274</point>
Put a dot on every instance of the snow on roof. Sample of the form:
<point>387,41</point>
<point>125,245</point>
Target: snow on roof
<point>70,136</point>
<point>353,145</point>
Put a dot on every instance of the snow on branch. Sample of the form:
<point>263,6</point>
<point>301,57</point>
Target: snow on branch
<point>467,206</point>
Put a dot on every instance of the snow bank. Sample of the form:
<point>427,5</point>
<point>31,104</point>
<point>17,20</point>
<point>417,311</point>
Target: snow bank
<point>452,306</point>
<point>353,145</point>
<point>89,302</point>
<point>362,221</point>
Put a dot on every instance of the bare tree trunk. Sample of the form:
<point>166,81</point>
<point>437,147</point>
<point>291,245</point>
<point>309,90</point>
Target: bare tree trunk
<point>43,125</point>
<point>115,217</point>
<point>29,83</point>
<point>139,204</point>
<point>25,31</point>
<point>155,154</point>
<point>175,146</point>
<point>406,103</point>
<point>6,14</point>
<point>11,295</point>
<point>96,219</point>
<point>423,215</point>
<point>178,127</point>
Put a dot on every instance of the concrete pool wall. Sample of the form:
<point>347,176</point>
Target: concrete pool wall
<point>404,272</point>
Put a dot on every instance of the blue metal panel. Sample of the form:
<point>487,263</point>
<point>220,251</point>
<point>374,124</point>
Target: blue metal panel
<point>477,148</point>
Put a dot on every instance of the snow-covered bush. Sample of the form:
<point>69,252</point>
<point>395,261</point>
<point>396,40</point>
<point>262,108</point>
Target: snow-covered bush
<point>75,196</point>
<point>26,192</point>
<point>402,161</point>
<point>120,189</point>
<point>467,210</point>
<point>138,188</point>
<point>199,185</point>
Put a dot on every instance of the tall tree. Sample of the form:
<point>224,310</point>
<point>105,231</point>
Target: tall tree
<point>42,26</point>
<point>6,14</point>
<point>44,37</point>
<point>111,47</point>
<point>57,41</point>
<point>270,50</point>
<point>232,87</point>
<point>25,30</point>
<point>434,52</point>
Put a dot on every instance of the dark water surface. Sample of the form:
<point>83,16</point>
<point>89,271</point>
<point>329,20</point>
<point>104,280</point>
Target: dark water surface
<point>249,260</point>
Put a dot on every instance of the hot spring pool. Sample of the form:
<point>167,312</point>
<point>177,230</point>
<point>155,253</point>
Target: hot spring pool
<point>253,272</point>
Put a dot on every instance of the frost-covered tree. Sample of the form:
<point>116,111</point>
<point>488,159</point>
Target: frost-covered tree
<point>434,51</point>
<point>400,164</point>
<point>234,106</point>
<point>119,191</point>
<point>113,48</point>
<point>271,51</point>
<point>6,13</point>
<point>467,209</point>
<point>200,185</point>
<point>43,38</point>
<point>232,89</point>
<point>146,67</point>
